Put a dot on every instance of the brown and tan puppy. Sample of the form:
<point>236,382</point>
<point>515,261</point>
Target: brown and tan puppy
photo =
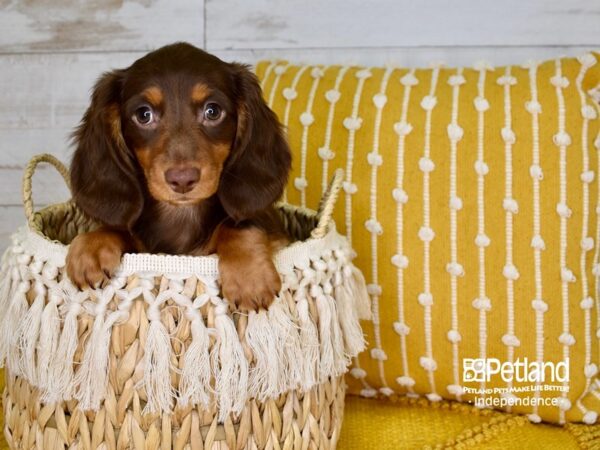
<point>180,154</point>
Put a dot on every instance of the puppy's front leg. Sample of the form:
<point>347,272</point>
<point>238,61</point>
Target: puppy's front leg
<point>248,275</point>
<point>94,256</point>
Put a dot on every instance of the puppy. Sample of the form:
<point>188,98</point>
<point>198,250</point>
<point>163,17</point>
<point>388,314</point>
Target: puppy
<point>180,154</point>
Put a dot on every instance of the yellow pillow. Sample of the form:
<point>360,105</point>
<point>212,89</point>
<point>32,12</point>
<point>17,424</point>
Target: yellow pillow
<point>471,201</point>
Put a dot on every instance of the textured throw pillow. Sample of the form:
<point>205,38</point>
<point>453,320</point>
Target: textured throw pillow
<point>471,199</point>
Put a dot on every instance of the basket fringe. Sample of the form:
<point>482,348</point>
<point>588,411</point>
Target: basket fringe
<point>263,378</point>
<point>230,365</point>
<point>310,342</point>
<point>48,342</point>
<point>157,364</point>
<point>27,335</point>
<point>16,312</point>
<point>269,336</point>
<point>194,385</point>
<point>341,358</point>
<point>290,346</point>
<point>346,293</point>
<point>60,384</point>
<point>358,290</point>
<point>5,264</point>
<point>333,360</point>
<point>92,377</point>
<point>7,290</point>
<point>6,283</point>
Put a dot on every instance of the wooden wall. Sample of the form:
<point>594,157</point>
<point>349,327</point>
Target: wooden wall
<point>51,51</point>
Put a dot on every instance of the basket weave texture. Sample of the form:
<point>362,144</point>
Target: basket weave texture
<point>156,359</point>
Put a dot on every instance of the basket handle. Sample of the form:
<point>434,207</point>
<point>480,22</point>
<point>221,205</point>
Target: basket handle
<point>328,204</point>
<point>28,175</point>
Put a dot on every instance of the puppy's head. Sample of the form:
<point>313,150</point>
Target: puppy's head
<point>181,126</point>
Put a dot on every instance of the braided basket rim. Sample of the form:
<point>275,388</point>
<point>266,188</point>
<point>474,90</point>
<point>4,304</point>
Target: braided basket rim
<point>286,258</point>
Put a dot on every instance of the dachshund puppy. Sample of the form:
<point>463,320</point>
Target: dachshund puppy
<point>180,154</point>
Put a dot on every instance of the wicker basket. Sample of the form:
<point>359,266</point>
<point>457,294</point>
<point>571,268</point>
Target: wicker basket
<point>155,359</point>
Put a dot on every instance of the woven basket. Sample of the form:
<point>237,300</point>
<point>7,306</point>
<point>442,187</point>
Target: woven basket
<point>155,359</point>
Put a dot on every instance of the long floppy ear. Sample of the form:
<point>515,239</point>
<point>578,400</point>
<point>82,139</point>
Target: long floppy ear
<point>256,171</point>
<point>103,170</point>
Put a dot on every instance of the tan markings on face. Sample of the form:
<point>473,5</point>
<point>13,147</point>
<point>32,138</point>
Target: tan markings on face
<point>114,121</point>
<point>155,164</point>
<point>144,157</point>
<point>211,171</point>
<point>200,92</point>
<point>221,152</point>
<point>153,95</point>
<point>151,160</point>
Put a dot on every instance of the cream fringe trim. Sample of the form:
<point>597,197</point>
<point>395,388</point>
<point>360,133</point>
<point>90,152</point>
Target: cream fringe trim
<point>310,333</point>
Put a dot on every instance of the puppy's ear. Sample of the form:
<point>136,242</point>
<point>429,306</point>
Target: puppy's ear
<point>256,171</point>
<point>103,171</point>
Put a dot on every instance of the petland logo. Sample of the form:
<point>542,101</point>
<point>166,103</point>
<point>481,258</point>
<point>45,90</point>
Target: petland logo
<point>520,371</point>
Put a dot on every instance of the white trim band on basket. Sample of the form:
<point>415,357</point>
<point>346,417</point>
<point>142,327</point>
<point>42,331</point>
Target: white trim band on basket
<point>308,335</point>
<point>297,254</point>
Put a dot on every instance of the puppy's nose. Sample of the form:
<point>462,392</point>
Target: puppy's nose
<point>182,180</point>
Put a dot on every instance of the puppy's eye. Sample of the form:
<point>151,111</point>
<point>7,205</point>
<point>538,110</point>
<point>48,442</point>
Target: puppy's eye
<point>213,112</point>
<point>144,115</point>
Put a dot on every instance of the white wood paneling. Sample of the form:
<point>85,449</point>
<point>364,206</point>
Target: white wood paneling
<point>406,56</point>
<point>43,99</point>
<point>260,24</point>
<point>102,25</point>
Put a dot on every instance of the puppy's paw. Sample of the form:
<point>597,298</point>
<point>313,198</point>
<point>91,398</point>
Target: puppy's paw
<point>249,285</point>
<point>93,257</point>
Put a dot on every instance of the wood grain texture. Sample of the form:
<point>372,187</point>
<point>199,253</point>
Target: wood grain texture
<point>102,25</point>
<point>267,24</point>
<point>406,56</point>
<point>43,99</point>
